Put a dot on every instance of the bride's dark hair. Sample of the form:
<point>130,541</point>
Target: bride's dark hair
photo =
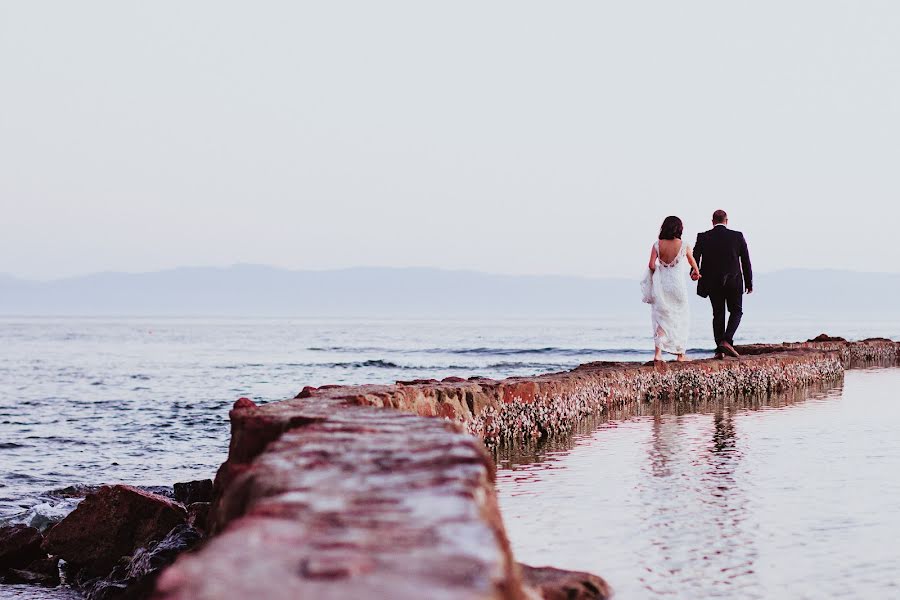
<point>671,228</point>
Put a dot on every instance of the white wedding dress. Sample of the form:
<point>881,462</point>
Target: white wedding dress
<point>669,302</point>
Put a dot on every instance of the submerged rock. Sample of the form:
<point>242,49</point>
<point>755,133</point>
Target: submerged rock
<point>112,523</point>
<point>189,492</point>
<point>44,571</point>
<point>556,584</point>
<point>19,546</point>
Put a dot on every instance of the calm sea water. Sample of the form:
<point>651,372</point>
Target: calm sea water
<point>145,400</point>
<point>784,498</point>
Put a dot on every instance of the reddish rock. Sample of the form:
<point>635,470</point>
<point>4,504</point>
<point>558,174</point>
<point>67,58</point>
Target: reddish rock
<point>242,403</point>
<point>418,382</point>
<point>452,380</point>
<point>824,337</point>
<point>359,502</point>
<point>306,392</point>
<point>189,492</point>
<point>110,524</point>
<point>556,584</point>
<point>19,546</point>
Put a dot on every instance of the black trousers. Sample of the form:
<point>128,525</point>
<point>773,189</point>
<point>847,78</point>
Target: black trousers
<point>731,298</point>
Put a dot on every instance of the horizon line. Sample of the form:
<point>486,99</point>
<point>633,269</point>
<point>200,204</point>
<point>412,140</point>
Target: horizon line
<point>471,271</point>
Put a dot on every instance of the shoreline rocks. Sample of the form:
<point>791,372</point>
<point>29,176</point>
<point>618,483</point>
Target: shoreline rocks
<point>20,545</point>
<point>135,577</point>
<point>353,502</point>
<point>114,542</point>
<point>109,524</point>
<point>23,559</point>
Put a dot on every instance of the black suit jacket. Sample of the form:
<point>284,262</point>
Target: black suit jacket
<point>724,261</point>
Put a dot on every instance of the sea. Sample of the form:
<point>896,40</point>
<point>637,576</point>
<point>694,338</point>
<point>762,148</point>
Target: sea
<point>145,400</point>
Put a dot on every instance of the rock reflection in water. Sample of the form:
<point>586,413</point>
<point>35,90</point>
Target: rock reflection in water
<point>788,496</point>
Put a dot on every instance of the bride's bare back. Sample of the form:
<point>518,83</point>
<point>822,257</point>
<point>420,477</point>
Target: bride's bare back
<point>668,254</point>
<point>669,250</point>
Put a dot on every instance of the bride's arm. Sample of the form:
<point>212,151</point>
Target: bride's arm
<point>694,268</point>
<point>652,264</point>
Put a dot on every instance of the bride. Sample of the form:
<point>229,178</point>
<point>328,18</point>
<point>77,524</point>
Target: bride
<point>666,289</point>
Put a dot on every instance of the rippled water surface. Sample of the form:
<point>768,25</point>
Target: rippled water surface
<point>793,497</point>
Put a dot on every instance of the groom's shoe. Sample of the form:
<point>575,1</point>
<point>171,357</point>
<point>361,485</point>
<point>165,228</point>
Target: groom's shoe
<point>729,350</point>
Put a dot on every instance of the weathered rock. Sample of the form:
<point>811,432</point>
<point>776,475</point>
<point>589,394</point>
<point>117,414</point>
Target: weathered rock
<point>306,392</point>
<point>189,492</point>
<point>198,515</point>
<point>413,382</point>
<point>556,584</point>
<point>110,524</point>
<point>44,571</point>
<point>353,502</point>
<point>824,337</point>
<point>134,579</point>
<point>244,403</point>
<point>19,546</point>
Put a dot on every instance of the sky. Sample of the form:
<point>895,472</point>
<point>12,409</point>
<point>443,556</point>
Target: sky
<point>508,137</point>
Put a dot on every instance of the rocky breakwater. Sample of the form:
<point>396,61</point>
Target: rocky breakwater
<point>531,407</point>
<point>321,498</point>
<point>328,495</point>
<point>860,354</point>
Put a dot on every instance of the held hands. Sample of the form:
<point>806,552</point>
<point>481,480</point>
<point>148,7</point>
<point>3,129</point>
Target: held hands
<point>749,290</point>
<point>695,275</point>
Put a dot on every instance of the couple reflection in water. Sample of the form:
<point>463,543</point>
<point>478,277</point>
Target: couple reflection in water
<point>696,508</point>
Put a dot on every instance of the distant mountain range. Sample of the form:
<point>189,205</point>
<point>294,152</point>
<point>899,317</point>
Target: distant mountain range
<point>250,290</point>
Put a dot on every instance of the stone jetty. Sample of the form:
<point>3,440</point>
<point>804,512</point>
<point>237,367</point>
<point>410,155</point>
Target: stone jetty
<point>387,491</point>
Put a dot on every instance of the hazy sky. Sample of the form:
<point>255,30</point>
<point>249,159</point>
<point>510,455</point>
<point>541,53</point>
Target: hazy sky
<point>511,137</point>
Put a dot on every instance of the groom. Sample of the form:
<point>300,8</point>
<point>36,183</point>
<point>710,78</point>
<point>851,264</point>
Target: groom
<point>725,273</point>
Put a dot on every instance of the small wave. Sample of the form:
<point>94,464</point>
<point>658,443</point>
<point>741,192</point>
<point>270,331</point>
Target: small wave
<point>11,445</point>
<point>493,351</point>
<point>79,490</point>
<point>529,365</point>
<point>366,364</point>
<point>580,355</point>
<point>358,364</point>
<point>55,439</point>
<point>45,513</point>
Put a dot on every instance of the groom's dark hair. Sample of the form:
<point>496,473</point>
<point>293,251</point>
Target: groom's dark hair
<point>671,228</point>
<point>720,216</point>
